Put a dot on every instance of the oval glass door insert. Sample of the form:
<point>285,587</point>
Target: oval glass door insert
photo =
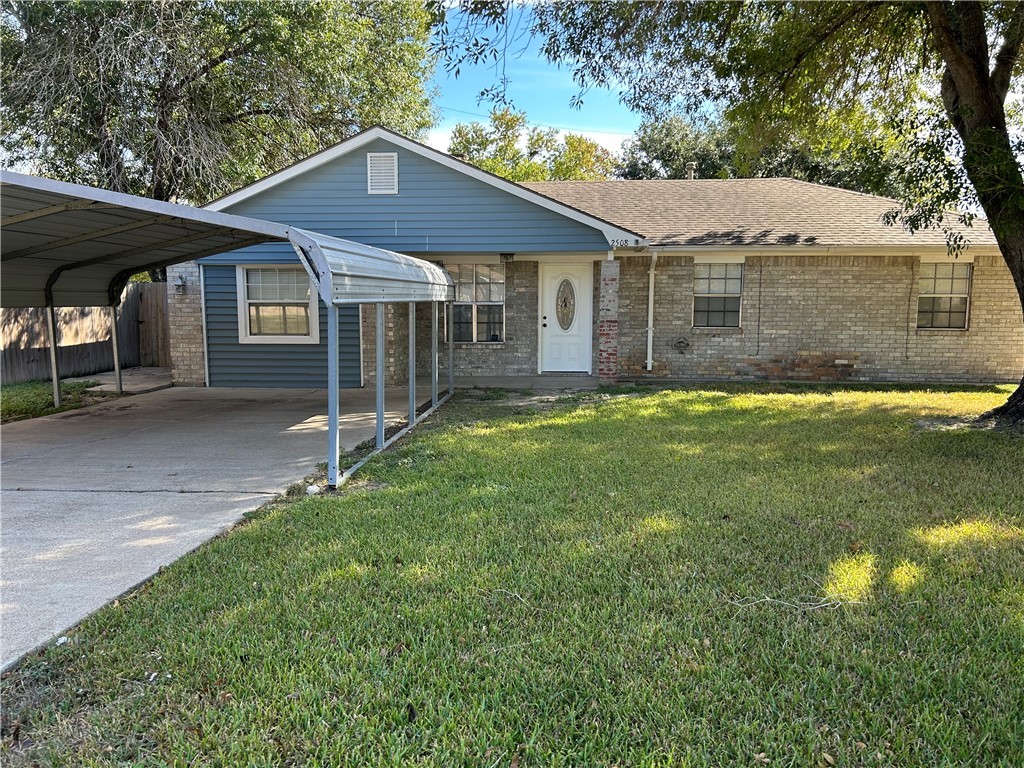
<point>565,304</point>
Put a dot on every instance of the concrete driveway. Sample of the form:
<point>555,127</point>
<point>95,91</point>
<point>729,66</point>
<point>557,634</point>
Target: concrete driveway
<point>94,501</point>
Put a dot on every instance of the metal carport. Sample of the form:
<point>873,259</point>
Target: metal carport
<point>69,245</point>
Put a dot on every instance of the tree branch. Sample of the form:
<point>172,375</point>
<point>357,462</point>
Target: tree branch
<point>946,41</point>
<point>236,118</point>
<point>1009,52</point>
<point>216,61</point>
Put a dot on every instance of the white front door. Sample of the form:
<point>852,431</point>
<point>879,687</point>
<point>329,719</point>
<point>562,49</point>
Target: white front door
<point>566,327</point>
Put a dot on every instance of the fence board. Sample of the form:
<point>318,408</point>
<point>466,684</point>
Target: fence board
<point>83,338</point>
<point>154,330</point>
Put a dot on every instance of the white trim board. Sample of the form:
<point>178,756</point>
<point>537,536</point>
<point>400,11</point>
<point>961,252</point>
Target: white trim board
<point>244,337</point>
<point>613,234</point>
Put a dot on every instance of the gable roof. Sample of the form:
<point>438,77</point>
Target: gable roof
<point>611,231</point>
<point>746,213</point>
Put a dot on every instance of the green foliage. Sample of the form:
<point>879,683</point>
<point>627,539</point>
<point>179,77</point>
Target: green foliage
<point>35,398</point>
<point>510,148</point>
<point>190,99</point>
<point>713,577</point>
<point>663,146</point>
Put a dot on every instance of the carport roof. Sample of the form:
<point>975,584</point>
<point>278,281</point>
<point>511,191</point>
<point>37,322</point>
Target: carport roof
<point>68,245</point>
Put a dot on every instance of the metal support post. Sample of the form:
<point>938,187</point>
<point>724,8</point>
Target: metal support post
<point>380,376</point>
<point>332,396</point>
<point>119,384</point>
<point>51,331</point>
<point>451,348</point>
<point>412,363</point>
<point>433,354</point>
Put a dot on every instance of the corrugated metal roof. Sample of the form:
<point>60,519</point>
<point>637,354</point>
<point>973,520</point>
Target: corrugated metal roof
<point>69,245</point>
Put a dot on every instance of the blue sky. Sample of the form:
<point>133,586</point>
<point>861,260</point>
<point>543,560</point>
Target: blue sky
<point>543,91</point>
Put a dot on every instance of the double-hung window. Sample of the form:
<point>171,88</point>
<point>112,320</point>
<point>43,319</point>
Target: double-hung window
<point>276,305</point>
<point>479,302</point>
<point>717,290</point>
<point>943,296</point>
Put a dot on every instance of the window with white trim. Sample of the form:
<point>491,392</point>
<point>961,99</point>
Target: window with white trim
<point>717,290</point>
<point>943,296</point>
<point>382,173</point>
<point>479,310</point>
<point>276,305</point>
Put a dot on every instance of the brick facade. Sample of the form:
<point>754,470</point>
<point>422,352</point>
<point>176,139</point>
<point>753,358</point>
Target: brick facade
<point>802,317</point>
<point>608,319</point>
<point>185,320</point>
<point>821,318</point>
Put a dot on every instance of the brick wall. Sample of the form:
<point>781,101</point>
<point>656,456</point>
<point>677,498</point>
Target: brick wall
<point>185,319</point>
<point>821,318</point>
<point>517,355</point>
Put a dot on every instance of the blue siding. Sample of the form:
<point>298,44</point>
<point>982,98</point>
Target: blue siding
<point>270,365</point>
<point>438,210</point>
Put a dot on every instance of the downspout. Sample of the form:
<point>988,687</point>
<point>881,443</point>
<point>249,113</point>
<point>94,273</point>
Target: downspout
<point>650,312</point>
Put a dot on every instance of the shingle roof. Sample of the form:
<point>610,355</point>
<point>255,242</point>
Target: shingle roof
<point>745,212</point>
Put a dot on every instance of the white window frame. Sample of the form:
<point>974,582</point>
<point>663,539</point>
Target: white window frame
<point>730,261</point>
<point>393,156</point>
<point>244,337</point>
<point>970,285</point>
<point>474,304</point>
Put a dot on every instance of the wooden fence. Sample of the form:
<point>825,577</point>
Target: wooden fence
<point>84,337</point>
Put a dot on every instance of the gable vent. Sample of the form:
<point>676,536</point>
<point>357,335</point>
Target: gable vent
<point>382,173</point>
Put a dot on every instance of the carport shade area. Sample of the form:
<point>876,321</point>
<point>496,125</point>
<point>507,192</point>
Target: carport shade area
<point>67,245</point>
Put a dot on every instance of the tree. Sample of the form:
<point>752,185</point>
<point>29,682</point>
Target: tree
<point>510,148</point>
<point>187,100</point>
<point>661,149</point>
<point>937,73</point>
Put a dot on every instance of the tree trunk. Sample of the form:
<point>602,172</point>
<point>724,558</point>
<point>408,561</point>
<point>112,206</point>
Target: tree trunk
<point>974,104</point>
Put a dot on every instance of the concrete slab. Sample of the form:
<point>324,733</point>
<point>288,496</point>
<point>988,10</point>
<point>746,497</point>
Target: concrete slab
<point>135,381</point>
<point>94,501</point>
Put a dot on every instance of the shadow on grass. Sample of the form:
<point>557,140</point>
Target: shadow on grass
<point>684,576</point>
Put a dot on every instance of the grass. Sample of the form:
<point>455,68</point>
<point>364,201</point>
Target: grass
<point>729,576</point>
<point>35,398</point>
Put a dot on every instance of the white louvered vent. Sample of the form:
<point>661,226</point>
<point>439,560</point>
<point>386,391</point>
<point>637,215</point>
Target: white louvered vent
<point>382,173</point>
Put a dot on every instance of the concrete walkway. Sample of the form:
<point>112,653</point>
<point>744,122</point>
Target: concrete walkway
<point>95,500</point>
<point>135,381</point>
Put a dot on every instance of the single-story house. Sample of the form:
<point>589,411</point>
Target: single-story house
<point>685,279</point>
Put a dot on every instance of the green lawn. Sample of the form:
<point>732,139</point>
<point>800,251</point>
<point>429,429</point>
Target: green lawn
<point>35,398</point>
<point>731,576</point>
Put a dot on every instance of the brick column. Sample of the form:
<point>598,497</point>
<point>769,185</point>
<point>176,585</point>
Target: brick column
<point>185,320</point>
<point>608,324</point>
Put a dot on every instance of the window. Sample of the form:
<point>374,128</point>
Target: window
<point>276,305</point>
<point>382,173</point>
<point>479,302</point>
<point>943,293</point>
<point>717,289</point>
